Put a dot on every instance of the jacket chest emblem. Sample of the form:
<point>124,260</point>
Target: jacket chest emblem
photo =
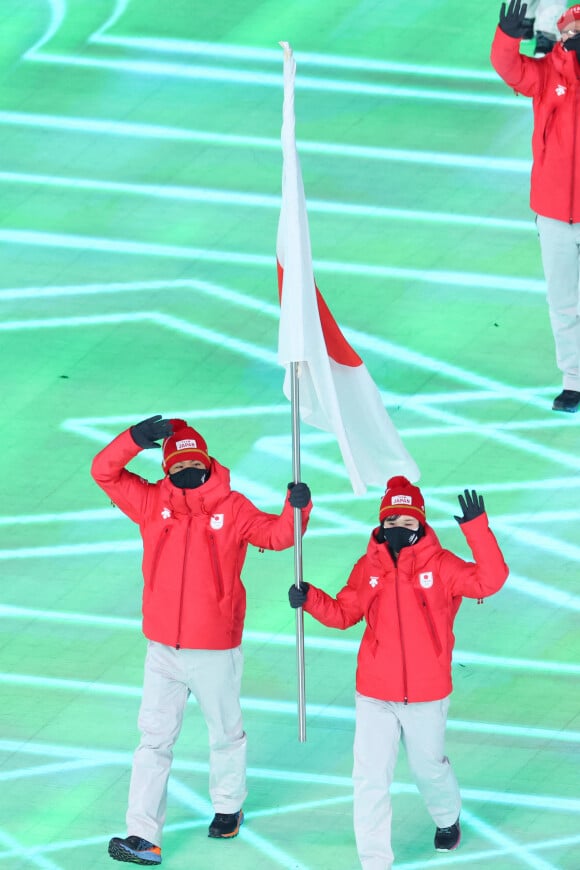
<point>216,521</point>
<point>560,90</point>
<point>374,581</point>
<point>165,513</point>
<point>426,579</point>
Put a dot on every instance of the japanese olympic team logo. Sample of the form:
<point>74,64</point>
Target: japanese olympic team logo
<point>426,579</point>
<point>217,521</point>
<point>186,444</point>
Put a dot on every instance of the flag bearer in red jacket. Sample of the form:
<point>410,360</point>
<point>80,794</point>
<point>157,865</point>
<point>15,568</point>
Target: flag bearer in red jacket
<point>195,531</point>
<point>553,83</point>
<point>408,589</point>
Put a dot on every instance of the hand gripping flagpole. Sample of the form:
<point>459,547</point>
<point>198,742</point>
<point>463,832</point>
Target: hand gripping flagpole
<point>295,410</point>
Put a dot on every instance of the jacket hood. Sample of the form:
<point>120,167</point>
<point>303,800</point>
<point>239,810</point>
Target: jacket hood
<point>425,547</point>
<point>204,498</point>
<point>565,62</point>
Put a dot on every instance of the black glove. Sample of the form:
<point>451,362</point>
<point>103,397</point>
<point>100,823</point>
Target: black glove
<point>148,431</point>
<point>472,506</point>
<point>299,494</point>
<point>297,596</point>
<point>514,22</point>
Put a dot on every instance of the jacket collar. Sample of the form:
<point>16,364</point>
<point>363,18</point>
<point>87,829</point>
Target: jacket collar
<point>203,500</point>
<point>425,547</point>
<point>565,62</point>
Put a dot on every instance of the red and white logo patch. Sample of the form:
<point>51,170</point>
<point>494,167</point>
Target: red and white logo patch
<point>186,444</point>
<point>217,521</point>
<point>426,579</point>
<point>401,499</point>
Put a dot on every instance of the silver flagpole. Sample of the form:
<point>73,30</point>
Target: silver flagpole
<point>295,406</point>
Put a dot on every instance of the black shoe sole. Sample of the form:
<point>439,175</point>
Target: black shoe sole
<point>119,853</point>
<point>447,848</point>
<point>565,410</point>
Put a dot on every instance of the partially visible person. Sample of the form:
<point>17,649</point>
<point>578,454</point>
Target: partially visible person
<point>553,83</point>
<point>196,532</point>
<point>541,21</point>
<point>408,590</point>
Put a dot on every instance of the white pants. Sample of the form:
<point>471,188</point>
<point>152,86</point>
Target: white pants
<point>379,726</point>
<point>560,246</point>
<point>214,677</point>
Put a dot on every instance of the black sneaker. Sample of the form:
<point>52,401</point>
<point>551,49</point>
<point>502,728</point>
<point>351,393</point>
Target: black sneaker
<point>568,400</point>
<point>134,850</point>
<point>447,839</point>
<point>225,825</point>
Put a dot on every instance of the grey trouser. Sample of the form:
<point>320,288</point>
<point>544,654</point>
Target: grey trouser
<point>379,726</point>
<point>214,677</point>
<point>560,246</point>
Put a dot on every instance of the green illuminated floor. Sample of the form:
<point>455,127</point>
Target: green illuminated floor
<point>140,172</point>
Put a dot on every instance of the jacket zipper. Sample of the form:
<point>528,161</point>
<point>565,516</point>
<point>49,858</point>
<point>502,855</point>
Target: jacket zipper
<point>429,621</point>
<point>178,645</point>
<point>157,555</point>
<point>216,565</point>
<point>403,656</point>
<point>573,168</point>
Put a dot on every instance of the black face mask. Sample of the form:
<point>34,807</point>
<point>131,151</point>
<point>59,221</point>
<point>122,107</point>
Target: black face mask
<point>189,478</point>
<point>399,537</point>
<point>573,44</point>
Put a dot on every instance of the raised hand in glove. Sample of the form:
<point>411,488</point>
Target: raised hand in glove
<point>514,22</point>
<point>472,506</point>
<point>299,494</point>
<point>146,433</point>
<point>297,595</point>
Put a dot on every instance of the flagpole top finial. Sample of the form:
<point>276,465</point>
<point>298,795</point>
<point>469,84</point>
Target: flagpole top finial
<point>287,49</point>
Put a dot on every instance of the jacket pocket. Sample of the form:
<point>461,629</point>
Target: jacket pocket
<point>163,538</point>
<point>429,621</point>
<point>215,562</point>
<point>547,127</point>
<point>371,618</point>
<point>240,560</point>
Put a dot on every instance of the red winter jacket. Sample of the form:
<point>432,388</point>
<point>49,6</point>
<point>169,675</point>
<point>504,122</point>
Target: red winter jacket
<point>409,608</point>
<point>554,84</point>
<point>194,546</point>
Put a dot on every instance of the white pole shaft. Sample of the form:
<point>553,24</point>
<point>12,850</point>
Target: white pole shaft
<point>295,407</point>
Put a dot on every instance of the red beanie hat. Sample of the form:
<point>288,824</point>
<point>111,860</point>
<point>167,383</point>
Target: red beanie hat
<point>570,15</point>
<point>184,444</point>
<point>402,498</point>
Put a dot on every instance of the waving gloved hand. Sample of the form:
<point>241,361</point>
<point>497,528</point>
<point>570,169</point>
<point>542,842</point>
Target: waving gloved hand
<point>472,506</point>
<point>297,595</point>
<point>299,494</point>
<point>513,22</point>
<point>146,433</point>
